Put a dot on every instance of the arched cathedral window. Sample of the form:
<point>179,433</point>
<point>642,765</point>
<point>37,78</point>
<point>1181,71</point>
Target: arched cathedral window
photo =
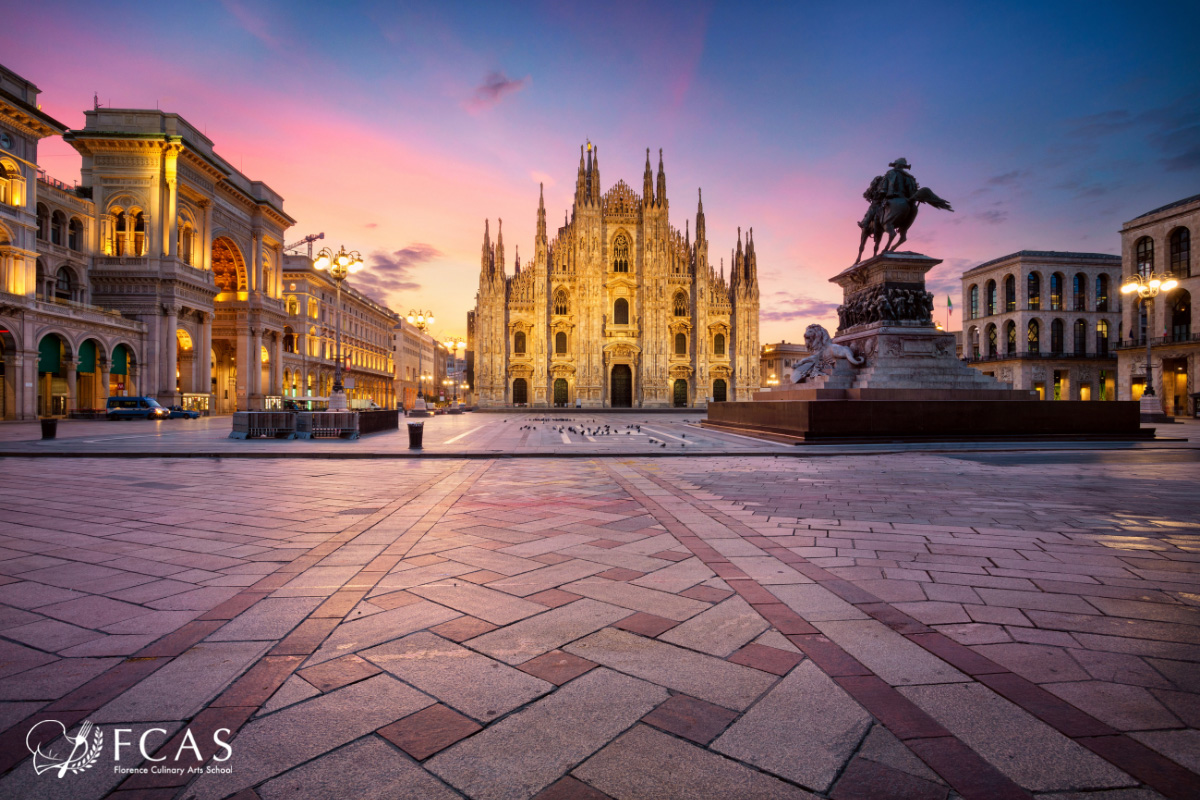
<point>621,312</point>
<point>681,305</point>
<point>621,254</point>
<point>519,342</point>
<point>560,343</point>
<point>561,306</point>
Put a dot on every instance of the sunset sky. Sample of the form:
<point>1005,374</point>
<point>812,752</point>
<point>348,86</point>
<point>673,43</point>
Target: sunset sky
<point>396,129</point>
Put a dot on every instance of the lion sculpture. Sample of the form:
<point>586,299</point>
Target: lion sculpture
<point>822,355</point>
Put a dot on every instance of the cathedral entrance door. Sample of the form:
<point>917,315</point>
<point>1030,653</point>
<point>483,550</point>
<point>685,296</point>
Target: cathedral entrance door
<point>719,390</point>
<point>520,391</point>
<point>560,391</point>
<point>622,386</point>
<point>680,393</point>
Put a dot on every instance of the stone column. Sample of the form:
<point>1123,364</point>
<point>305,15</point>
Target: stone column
<point>206,251</point>
<point>27,378</point>
<point>256,276</point>
<point>244,367</point>
<point>254,385</point>
<point>205,385</point>
<point>277,364</point>
<point>170,355</point>
<point>169,227</point>
<point>102,388</point>
<point>72,380</point>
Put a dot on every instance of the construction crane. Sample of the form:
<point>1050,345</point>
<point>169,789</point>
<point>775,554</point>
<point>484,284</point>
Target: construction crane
<point>308,240</point>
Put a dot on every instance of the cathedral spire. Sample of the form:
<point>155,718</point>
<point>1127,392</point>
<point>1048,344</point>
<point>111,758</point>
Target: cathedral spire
<point>500,270</point>
<point>662,181</point>
<point>596,190</point>
<point>580,180</point>
<point>700,217</point>
<point>541,217</point>
<point>648,182</point>
<point>485,263</point>
<point>518,259</point>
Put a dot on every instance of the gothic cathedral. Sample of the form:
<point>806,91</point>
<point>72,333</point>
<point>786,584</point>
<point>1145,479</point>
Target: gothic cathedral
<point>618,310</point>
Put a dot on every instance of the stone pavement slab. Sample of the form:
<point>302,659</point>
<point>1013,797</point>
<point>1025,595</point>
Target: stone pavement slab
<point>729,685</point>
<point>720,630</point>
<point>517,643</point>
<point>1022,747</point>
<point>528,751</point>
<point>368,769</point>
<point>184,686</point>
<point>474,684</point>
<point>804,729</point>
<point>273,744</point>
<point>645,763</point>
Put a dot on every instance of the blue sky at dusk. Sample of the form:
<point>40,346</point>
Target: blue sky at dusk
<point>397,129</point>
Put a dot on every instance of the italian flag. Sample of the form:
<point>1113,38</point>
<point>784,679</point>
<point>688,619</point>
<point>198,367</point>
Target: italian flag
<point>949,306</point>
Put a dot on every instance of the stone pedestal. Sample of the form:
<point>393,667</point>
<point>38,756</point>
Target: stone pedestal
<point>910,384</point>
<point>886,320</point>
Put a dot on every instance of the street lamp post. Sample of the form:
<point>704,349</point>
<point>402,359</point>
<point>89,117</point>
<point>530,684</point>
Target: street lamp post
<point>1147,287</point>
<point>340,265</point>
<point>422,320</point>
<point>455,346</point>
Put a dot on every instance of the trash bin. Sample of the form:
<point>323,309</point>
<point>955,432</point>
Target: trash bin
<point>415,431</point>
<point>49,428</point>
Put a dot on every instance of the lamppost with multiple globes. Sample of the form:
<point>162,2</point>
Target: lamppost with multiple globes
<point>455,346</point>
<point>340,265</point>
<point>422,320</point>
<point>1147,286</point>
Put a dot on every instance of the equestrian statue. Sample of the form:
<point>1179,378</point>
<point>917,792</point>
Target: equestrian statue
<point>894,199</point>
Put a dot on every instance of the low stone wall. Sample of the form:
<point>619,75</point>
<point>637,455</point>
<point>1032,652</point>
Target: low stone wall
<point>929,419</point>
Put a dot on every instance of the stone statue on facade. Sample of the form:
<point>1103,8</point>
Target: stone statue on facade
<point>894,199</point>
<point>822,353</point>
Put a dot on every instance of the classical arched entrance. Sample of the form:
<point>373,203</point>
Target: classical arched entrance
<point>53,393</point>
<point>228,266</point>
<point>622,386</point>
<point>560,391</point>
<point>520,391</point>
<point>680,393</point>
<point>120,372</point>
<point>719,390</point>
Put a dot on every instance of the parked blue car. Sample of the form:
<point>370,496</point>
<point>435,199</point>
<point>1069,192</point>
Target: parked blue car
<point>178,412</point>
<point>135,408</point>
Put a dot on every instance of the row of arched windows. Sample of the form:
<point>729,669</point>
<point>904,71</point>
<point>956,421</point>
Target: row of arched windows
<point>1033,294</point>
<point>54,227</point>
<point>1034,340</point>
<point>1179,254</point>
<point>560,344</point>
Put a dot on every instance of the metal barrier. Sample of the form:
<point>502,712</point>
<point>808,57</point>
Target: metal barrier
<point>326,424</point>
<point>269,424</point>
<point>378,420</point>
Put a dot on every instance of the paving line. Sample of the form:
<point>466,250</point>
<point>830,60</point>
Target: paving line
<point>461,435</point>
<point>1165,776</point>
<point>661,433</point>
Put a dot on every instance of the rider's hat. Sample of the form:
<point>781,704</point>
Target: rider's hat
<point>900,163</point>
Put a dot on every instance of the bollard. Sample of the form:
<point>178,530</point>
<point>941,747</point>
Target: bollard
<point>49,428</point>
<point>415,432</point>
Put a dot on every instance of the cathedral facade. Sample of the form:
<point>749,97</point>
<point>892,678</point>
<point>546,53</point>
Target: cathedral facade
<point>619,310</point>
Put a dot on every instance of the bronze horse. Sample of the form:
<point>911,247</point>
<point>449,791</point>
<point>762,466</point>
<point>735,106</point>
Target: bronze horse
<point>897,214</point>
